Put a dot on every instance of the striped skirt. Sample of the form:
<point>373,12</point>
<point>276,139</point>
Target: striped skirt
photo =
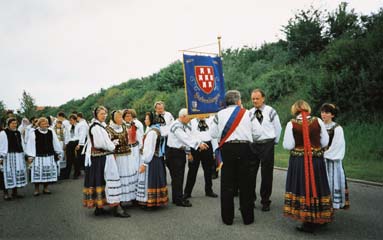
<point>128,171</point>
<point>14,171</point>
<point>95,186</point>
<point>338,184</point>
<point>152,190</point>
<point>320,209</point>
<point>44,169</point>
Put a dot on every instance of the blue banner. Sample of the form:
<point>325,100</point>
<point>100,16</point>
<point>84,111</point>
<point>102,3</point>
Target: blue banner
<point>205,88</point>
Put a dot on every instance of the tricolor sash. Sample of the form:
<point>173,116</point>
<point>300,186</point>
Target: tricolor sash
<point>230,126</point>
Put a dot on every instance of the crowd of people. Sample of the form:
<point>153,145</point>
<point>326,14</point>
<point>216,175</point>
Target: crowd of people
<point>124,161</point>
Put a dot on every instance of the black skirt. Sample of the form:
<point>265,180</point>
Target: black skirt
<point>94,183</point>
<point>157,189</point>
<point>320,209</point>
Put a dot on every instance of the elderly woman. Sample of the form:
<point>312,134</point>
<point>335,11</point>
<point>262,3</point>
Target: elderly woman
<point>307,197</point>
<point>152,190</point>
<point>102,184</point>
<point>334,155</point>
<point>127,171</point>
<point>12,159</point>
<point>43,150</point>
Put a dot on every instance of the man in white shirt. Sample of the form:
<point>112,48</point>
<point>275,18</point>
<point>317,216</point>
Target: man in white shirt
<point>71,141</point>
<point>82,133</point>
<point>200,129</point>
<point>233,127</point>
<point>263,147</point>
<point>180,141</point>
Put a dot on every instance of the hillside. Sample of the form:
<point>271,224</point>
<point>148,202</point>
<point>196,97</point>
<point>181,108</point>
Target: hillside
<point>334,57</point>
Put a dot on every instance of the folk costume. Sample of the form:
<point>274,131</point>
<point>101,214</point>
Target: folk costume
<point>127,169</point>
<point>44,147</point>
<point>102,184</point>
<point>14,172</point>
<point>152,190</point>
<point>307,196</point>
<point>334,155</point>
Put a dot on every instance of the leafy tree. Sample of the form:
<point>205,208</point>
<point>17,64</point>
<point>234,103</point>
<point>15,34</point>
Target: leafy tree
<point>2,113</point>
<point>28,107</point>
<point>304,33</point>
<point>343,22</point>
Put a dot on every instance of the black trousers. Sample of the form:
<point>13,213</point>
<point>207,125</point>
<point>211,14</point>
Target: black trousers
<point>235,167</point>
<point>71,159</point>
<point>81,159</point>
<point>176,161</point>
<point>207,161</point>
<point>263,154</point>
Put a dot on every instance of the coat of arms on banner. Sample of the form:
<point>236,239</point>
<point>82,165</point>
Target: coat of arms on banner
<point>205,78</point>
<point>204,84</point>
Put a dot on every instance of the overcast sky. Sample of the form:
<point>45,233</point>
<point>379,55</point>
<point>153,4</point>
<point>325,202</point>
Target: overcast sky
<point>58,50</point>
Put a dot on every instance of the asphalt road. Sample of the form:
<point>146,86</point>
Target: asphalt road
<point>61,216</point>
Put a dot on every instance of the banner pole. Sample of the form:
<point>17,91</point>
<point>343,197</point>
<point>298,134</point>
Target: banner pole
<point>219,46</point>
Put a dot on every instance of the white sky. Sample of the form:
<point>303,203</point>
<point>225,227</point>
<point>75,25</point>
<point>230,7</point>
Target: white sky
<point>58,50</point>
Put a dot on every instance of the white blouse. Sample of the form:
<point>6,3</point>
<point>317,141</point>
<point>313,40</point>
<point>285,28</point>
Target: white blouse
<point>4,143</point>
<point>338,144</point>
<point>149,146</point>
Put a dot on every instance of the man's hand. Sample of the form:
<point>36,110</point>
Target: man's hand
<point>203,146</point>
<point>189,157</point>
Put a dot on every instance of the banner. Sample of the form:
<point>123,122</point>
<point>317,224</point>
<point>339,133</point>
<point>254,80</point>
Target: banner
<point>204,84</point>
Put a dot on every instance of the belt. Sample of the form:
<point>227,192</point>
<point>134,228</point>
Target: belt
<point>238,141</point>
<point>133,144</point>
<point>180,148</point>
<point>264,141</point>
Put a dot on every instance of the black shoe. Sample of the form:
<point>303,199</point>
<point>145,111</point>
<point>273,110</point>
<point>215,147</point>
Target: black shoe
<point>184,203</point>
<point>99,211</point>
<point>187,195</point>
<point>121,214</point>
<point>265,208</point>
<point>211,194</point>
<point>228,222</point>
<point>305,227</point>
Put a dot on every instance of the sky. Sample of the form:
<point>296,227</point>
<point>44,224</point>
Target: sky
<point>67,49</point>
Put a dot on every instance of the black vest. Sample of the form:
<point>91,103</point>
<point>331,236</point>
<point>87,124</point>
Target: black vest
<point>14,141</point>
<point>44,143</point>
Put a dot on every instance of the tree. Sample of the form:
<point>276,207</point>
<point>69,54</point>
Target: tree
<point>28,107</point>
<point>304,33</point>
<point>2,113</point>
<point>342,22</point>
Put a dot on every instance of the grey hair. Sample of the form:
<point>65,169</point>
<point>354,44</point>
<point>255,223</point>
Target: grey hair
<point>183,112</point>
<point>232,97</point>
<point>159,103</point>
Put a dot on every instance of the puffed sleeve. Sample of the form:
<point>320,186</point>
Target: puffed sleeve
<point>3,144</point>
<point>324,138</point>
<point>56,144</point>
<point>149,146</point>
<point>288,139</point>
<point>101,139</point>
<point>338,146</point>
<point>30,149</point>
